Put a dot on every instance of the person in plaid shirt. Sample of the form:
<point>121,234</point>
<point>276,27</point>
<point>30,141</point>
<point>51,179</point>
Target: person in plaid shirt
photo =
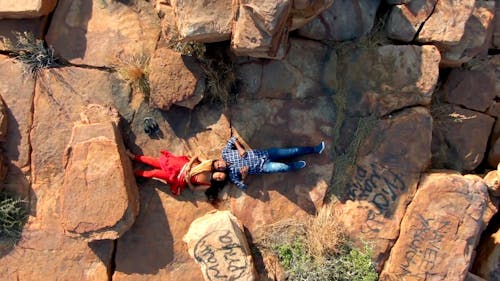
<point>240,162</point>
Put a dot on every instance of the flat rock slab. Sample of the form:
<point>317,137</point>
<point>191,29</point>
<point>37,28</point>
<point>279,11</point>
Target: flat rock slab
<point>99,196</point>
<point>440,229</point>
<point>218,244</point>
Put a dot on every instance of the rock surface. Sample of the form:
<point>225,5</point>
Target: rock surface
<point>98,179</point>
<point>26,9</point>
<point>102,32</point>
<point>343,20</point>
<point>203,21</point>
<point>218,244</point>
<point>175,79</point>
<point>383,180</point>
<point>434,242</point>
<point>452,144</point>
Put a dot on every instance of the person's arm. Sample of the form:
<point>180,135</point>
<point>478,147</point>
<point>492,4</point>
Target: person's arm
<point>230,144</point>
<point>190,163</point>
<point>241,150</point>
<point>235,178</point>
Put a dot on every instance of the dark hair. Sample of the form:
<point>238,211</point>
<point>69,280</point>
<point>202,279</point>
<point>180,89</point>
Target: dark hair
<point>212,192</point>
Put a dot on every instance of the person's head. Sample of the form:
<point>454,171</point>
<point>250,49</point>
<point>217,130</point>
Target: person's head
<point>216,185</point>
<point>219,165</point>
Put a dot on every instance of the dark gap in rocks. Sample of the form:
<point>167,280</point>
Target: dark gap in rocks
<point>493,52</point>
<point>112,265</point>
<point>423,23</point>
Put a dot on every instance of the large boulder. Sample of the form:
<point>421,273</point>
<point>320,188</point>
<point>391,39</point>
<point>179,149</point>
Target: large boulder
<point>471,88</point>
<point>343,20</point>
<point>98,179</point>
<point>309,68</point>
<point>203,21</point>
<point>392,81</point>
<point>261,28</point>
<point>475,39</point>
<point>439,230</point>
<point>460,137</point>
<point>383,180</point>
<point>303,11</point>
<point>446,25</point>
<point>17,91</point>
<point>218,244</point>
<point>175,79</point>
<point>103,33</point>
<point>405,20</point>
<point>26,9</point>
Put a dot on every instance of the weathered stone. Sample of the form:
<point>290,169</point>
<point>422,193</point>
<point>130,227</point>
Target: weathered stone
<point>496,28</point>
<point>26,9</point>
<point>392,81</point>
<point>487,263</point>
<point>9,27</point>
<point>152,248</point>
<point>446,25</point>
<point>303,11</point>
<point>309,67</point>
<point>405,20</point>
<point>103,32</point>
<point>440,229</point>
<point>473,89</point>
<point>383,180</point>
<point>60,94</point>
<point>98,180</point>
<point>220,233</point>
<point>460,137</point>
<point>492,180</point>
<point>16,89</point>
<point>494,152</point>
<point>175,79</point>
<point>398,2</point>
<point>261,28</point>
<point>475,39</point>
<point>343,20</point>
<point>473,277</point>
<point>203,21</point>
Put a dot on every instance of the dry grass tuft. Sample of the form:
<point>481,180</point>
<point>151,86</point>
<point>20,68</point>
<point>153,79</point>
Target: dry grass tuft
<point>134,70</point>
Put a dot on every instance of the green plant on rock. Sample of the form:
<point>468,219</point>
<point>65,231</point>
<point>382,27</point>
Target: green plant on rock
<point>13,215</point>
<point>33,52</point>
<point>316,249</point>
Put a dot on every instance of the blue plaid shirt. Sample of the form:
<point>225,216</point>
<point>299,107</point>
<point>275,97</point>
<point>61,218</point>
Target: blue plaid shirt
<point>254,159</point>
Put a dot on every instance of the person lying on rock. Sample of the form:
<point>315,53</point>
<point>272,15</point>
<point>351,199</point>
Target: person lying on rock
<point>239,162</point>
<point>180,171</point>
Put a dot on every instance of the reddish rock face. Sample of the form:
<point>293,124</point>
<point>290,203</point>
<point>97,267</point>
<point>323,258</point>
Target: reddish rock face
<point>175,79</point>
<point>9,27</point>
<point>392,81</point>
<point>446,25</point>
<point>473,89</point>
<point>98,179</point>
<point>383,179</point>
<point>405,20</point>
<point>17,94</point>
<point>452,144</point>
<point>203,21</point>
<point>26,9</point>
<point>102,33</point>
<point>261,28</point>
<point>343,20</point>
<point>434,240</point>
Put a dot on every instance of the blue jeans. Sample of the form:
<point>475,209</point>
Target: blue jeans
<point>275,154</point>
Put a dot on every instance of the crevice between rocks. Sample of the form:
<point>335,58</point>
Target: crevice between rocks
<point>112,265</point>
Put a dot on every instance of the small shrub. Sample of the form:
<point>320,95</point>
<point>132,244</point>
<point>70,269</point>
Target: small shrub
<point>317,249</point>
<point>134,70</point>
<point>13,215</point>
<point>33,52</point>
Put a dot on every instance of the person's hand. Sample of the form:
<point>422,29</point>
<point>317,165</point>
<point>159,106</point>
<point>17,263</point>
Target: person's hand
<point>242,154</point>
<point>244,172</point>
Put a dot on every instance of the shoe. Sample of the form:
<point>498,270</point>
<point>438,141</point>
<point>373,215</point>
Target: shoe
<point>320,147</point>
<point>300,164</point>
